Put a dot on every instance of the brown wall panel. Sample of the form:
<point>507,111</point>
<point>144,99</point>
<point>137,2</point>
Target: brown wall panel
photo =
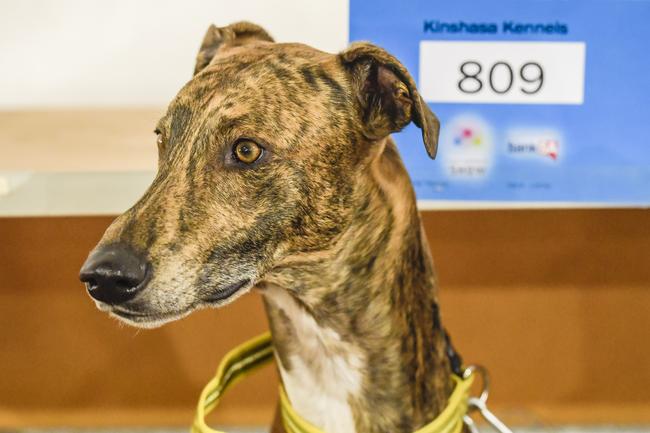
<point>554,302</point>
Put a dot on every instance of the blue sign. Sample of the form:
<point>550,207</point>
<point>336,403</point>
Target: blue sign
<point>541,101</point>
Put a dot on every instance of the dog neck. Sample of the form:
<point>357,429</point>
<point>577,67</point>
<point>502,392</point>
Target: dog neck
<point>356,327</point>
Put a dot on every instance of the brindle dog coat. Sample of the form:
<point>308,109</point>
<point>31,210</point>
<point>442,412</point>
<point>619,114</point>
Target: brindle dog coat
<point>324,224</point>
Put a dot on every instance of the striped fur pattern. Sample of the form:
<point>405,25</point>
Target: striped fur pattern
<point>324,225</point>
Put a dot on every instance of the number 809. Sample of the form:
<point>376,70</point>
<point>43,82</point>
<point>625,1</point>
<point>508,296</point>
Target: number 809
<point>531,73</point>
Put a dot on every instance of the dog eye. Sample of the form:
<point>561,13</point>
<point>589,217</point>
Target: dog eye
<point>247,151</point>
<point>159,137</point>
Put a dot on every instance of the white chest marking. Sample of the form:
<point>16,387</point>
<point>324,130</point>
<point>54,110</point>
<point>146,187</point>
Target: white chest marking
<point>324,374</point>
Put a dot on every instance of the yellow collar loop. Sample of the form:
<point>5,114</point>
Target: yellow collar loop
<point>255,353</point>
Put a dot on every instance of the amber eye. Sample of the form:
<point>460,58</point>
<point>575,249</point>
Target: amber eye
<point>247,151</point>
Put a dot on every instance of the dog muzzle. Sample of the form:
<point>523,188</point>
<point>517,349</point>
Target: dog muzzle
<point>255,353</point>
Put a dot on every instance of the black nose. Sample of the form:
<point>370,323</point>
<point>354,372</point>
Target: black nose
<point>114,274</point>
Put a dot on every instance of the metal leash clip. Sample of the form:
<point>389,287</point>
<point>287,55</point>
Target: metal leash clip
<point>479,404</point>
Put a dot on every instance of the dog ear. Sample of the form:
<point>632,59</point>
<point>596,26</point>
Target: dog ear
<point>387,94</point>
<point>217,38</point>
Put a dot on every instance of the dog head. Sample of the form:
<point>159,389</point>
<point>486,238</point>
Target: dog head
<point>259,155</point>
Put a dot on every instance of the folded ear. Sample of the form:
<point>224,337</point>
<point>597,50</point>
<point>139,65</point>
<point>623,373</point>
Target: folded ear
<point>387,94</point>
<point>217,38</point>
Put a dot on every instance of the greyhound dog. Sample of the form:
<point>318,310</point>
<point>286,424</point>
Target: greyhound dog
<point>277,173</point>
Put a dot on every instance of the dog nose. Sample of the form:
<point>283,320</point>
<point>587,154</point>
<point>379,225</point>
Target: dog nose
<point>114,274</point>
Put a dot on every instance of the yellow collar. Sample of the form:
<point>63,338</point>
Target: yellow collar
<point>255,353</point>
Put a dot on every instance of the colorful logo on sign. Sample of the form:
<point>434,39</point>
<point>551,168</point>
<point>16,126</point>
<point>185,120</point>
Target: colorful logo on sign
<point>550,148</point>
<point>468,148</point>
<point>534,144</point>
<point>468,136</point>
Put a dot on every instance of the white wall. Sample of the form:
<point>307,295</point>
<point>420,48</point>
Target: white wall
<point>63,53</point>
